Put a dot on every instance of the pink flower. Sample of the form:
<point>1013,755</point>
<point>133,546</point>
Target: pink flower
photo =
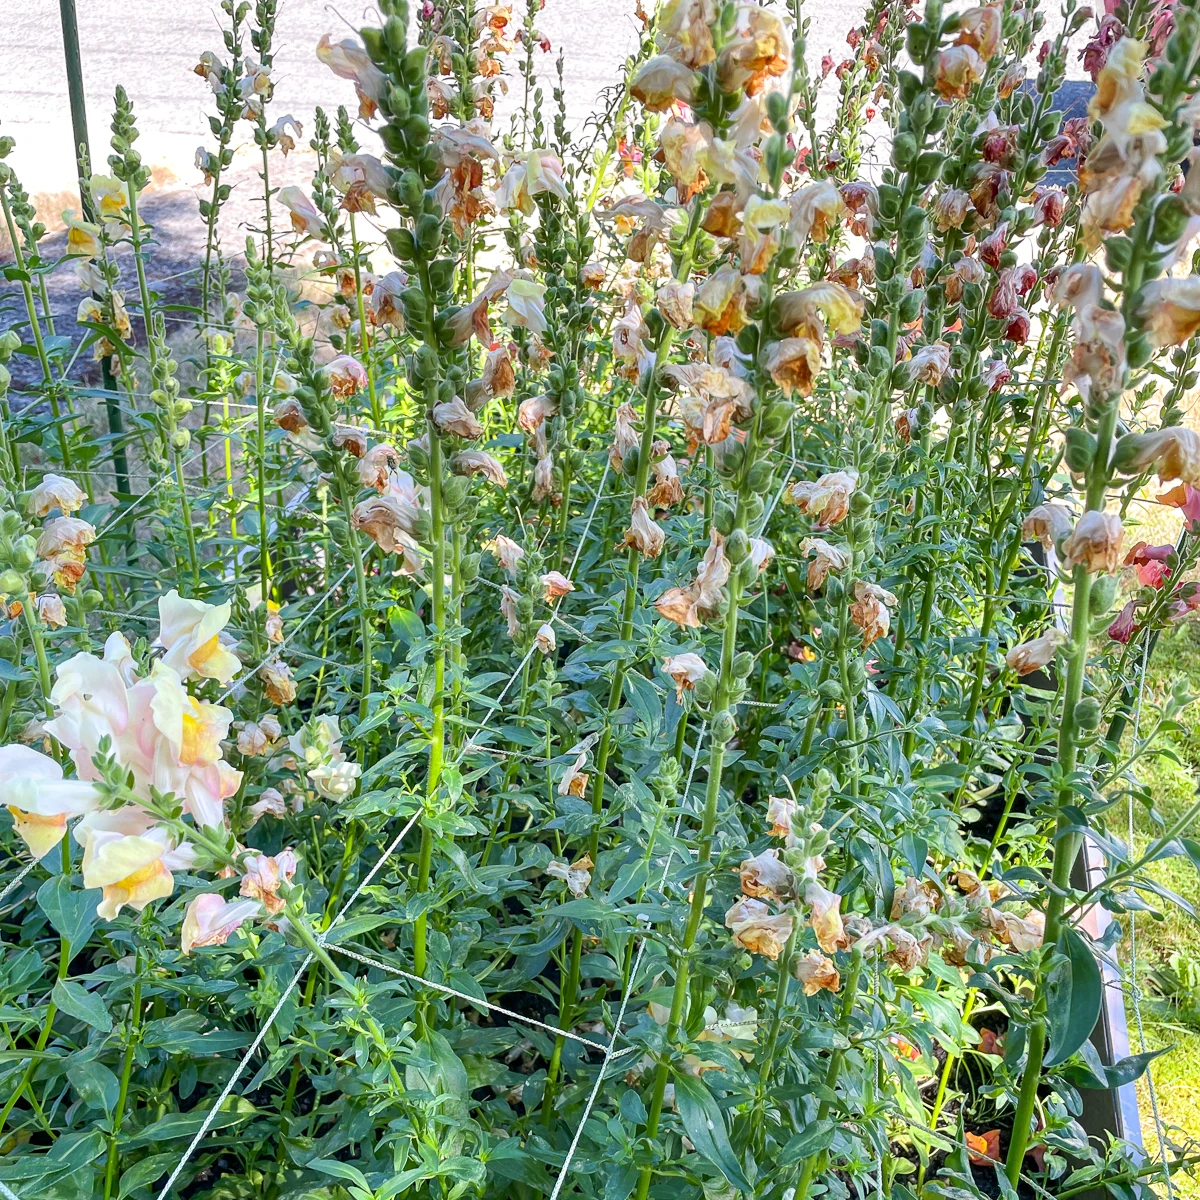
<point>1125,625</point>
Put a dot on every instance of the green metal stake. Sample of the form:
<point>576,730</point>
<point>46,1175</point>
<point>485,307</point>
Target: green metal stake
<point>70,32</point>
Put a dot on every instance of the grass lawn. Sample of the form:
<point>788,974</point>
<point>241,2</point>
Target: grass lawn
<point>1171,1019</point>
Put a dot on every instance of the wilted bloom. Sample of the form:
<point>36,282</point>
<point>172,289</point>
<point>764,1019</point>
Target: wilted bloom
<point>374,468</point>
<point>1022,933</point>
<point>628,335</point>
<point>702,598</point>
<point>625,437</point>
<point>815,972</point>
<point>190,633</point>
<point>577,876</point>
<point>842,309</point>
<point>827,500</point>
<point>532,411</point>
<point>780,810</point>
<point>825,916</point>
<point>674,301</point>
<point>258,737</point>
<point>950,209</point>
<point>1095,543</point>
<point>62,547</point>
<point>507,551</point>
<point>1174,452</point>
<point>870,610</point>
<point>526,305</point>
<point>51,610</point>
<point>479,462</point>
<point>643,534</point>
<point>755,929</point>
<point>758,51</point>
<point>305,216</point>
<point>454,417</point>
<point>981,29</point>
<point>662,82</point>
<point>762,554</point>
<point>995,374</point>
<point>555,585</point>
<point>794,364</point>
<point>816,208</point>
<point>278,685</point>
<point>536,173</point>
<point>1035,654</point>
<point>929,364</point>
<point>39,799</point>
<point>545,639</point>
<point>1049,523</point>
<point>265,875</point>
<point>349,60</point>
<point>686,670</point>
<point>1124,625</point>
<point>719,307</point>
<point>826,558</point>
<point>346,376</point>
<point>55,491</point>
<point>1171,310</point>
<point>211,920</point>
<point>574,780</point>
<point>685,31</point>
<point>959,69</point>
<point>1049,207</point>
<point>767,877</point>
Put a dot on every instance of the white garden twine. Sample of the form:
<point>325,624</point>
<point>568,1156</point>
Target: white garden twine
<point>241,1067</point>
<point>1135,988</point>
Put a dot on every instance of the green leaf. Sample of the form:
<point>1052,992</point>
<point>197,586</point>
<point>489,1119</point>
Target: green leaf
<point>11,674</point>
<point>340,1170</point>
<point>76,1001</point>
<point>1126,1070</point>
<point>704,1123</point>
<point>1075,994</point>
<point>70,910</point>
<point>644,699</point>
<point>812,1139</point>
<point>145,1172</point>
<point>95,1084</point>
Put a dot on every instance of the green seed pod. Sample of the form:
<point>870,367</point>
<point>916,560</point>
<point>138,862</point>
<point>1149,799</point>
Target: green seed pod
<point>416,130</point>
<point>429,234</point>
<point>1087,713</point>
<point>402,244</point>
<point>723,727</point>
<point>629,461</point>
<point>856,675</point>
<point>759,477</point>
<point>422,526</point>
<point>910,306</point>
<point>777,112</point>
<point>723,518</point>
<point>706,688</point>
<point>413,69</point>
<point>904,149</point>
<point>469,567</point>
<point>830,689</point>
<point>912,226</point>
<point>929,167</point>
<point>12,583</point>
<point>885,262</point>
<point>1079,449</point>
<point>454,489</point>
<point>743,664</point>
<point>889,209</point>
<point>396,35</point>
<point>374,43</point>
<point>737,547</point>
